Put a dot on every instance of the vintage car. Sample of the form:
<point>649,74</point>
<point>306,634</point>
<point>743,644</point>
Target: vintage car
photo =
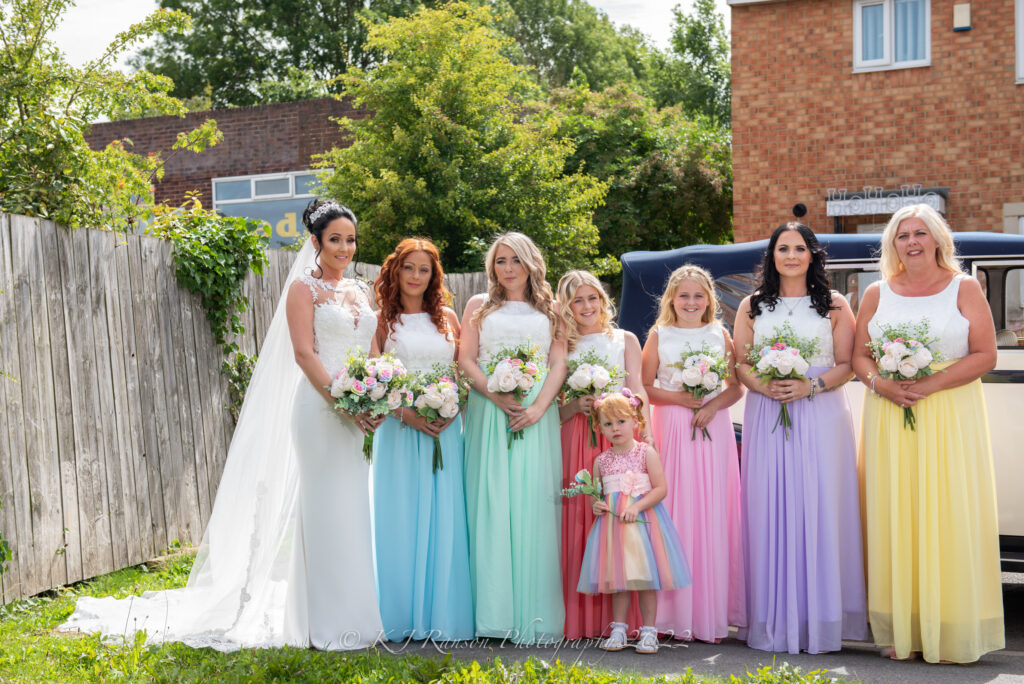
<point>996,259</point>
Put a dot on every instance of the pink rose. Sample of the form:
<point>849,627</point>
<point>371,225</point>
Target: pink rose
<point>358,388</point>
<point>369,381</point>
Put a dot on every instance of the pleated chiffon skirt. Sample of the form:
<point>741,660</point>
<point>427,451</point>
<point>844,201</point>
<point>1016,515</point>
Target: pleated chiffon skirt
<point>802,529</point>
<point>934,581</point>
<point>703,500</point>
<point>422,540</point>
<point>513,502</point>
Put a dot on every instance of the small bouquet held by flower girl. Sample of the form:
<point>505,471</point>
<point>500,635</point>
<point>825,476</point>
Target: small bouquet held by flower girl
<point>783,356</point>
<point>589,375</point>
<point>903,353</point>
<point>373,386</point>
<point>439,395</point>
<point>584,483</point>
<point>514,370</point>
<point>701,373</point>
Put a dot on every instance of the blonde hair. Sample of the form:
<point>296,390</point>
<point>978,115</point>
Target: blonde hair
<point>538,292</point>
<point>616,405</point>
<point>945,256</point>
<point>667,312</point>
<point>570,283</point>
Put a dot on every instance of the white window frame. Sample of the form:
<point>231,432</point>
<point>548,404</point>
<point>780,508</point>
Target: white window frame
<point>253,197</point>
<point>887,63</point>
<point>1020,41</point>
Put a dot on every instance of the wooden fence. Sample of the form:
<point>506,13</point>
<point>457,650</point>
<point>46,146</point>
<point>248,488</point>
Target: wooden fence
<point>114,429</point>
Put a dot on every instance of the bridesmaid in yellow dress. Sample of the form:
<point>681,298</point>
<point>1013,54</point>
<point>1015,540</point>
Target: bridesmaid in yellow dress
<point>934,583</point>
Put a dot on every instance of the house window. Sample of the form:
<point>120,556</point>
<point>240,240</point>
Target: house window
<point>1020,41</point>
<point>276,199</point>
<point>891,34</point>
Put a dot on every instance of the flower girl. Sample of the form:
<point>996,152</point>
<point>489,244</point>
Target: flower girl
<point>633,545</point>
<point>690,354</point>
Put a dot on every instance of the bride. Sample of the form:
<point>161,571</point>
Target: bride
<point>286,558</point>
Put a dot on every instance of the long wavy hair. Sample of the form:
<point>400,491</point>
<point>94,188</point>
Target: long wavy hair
<point>667,312</point>
<point>818,286</point>
<point>567,287</point>
<point>538,292</point>
<point>945,256</point>
<point>389,292</point>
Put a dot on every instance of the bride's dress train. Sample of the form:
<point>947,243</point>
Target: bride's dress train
<point>286,558</point>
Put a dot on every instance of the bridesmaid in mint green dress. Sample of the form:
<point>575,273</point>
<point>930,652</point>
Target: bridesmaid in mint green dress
<point>512,493</point>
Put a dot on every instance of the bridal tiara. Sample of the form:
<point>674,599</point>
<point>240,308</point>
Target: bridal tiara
<point>322,210</point>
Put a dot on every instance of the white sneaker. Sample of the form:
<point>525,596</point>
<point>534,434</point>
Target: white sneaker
<point>617,640</point>
<point>648,642</point>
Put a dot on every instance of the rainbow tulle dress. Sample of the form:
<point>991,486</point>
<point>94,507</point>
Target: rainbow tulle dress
<point>636,556</point>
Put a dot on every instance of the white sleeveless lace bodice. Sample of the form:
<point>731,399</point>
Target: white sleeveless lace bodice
<point>947,325</point>
<point>418,344</point>
<point>674,343</point>
<point>805,322</point>
<point>512,324</point>
<point>342,320</point>
<point>612,348</point>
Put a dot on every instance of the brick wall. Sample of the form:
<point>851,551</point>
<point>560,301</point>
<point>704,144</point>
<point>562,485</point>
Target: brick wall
<point>261,139</point>
<point>803,122</point>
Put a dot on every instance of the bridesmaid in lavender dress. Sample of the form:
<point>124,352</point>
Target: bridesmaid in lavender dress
<point>801,532</point>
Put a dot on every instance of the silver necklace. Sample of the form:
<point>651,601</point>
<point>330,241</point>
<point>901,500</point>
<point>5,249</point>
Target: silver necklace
<point>791,309</point>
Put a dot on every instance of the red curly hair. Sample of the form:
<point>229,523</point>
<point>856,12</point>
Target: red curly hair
<point>389,293</point>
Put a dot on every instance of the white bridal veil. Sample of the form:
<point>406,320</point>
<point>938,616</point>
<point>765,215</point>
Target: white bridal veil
<point>247,565</point>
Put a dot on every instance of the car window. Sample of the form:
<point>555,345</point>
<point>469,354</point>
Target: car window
<point>1011,334</point>
<point>851,282</point>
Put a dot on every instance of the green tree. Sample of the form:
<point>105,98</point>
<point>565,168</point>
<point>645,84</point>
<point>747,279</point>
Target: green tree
<point>48,169</point>
<point>670,179</point>
<point>234,47</point>
<point>695,73</point>
<point>451,151</point>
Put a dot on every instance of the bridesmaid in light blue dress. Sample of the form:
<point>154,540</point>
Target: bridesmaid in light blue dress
<point>419,515</point>
<point>512,491</point>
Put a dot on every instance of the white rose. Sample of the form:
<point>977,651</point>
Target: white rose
<point>378,391</point>
<point>507,383</point>
<point>525,381</point>
<point>889,363</point>
<point>433,398</point>
<point>801,366</point>
<point>579,379</point>
<point>897,349</point>
<point>601,378</point>
<point>336,390</point>
<point>449,409</point>
<point>764,363</point>
<point>922,357</point>
<point>421,402</point>
<point>394,400</point>
<point>908,368</point>
<point>785,363</point>
<point>691,376</point>
<point>711,381</point>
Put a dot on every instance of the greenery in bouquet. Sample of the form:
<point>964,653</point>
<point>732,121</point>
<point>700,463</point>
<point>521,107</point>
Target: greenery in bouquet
<point>589,374</point>
<point>783,355</point>
<point>585,484</point>
<point>439,395</point>
<point>372,386</point>
<point>904,352</point>
<point>514,370</point>
<point>700,372</point>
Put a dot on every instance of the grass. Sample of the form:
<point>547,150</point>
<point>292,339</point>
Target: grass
<point>32,651</point>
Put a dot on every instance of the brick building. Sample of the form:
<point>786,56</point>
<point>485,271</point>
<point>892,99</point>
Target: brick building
<point>903,97</point>
<point>261,168</point>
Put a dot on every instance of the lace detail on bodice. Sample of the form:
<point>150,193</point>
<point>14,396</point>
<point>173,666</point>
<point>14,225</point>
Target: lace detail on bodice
<point>512,324</point>
<point>611,348</point>
<point>805,321</point>
<point>947,325</point>
<point>418,344</point>
<point>634,460</point>
<point>675,342</point>
<point>342,321</point>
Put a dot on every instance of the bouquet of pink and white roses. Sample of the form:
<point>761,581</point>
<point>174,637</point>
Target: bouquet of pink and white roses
<point>373,386</point>
<point>902,353</point>
<point>514,370</point>
<point>783,356</point>
<point>439,395</point>
<point>701,372</point>
<point>589,374</point>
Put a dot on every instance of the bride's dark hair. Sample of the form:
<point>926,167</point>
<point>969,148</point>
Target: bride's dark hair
<point>818,287</point>
<point>319,214</point>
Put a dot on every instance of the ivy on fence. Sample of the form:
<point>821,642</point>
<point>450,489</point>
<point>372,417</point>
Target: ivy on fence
<point>212,255</point>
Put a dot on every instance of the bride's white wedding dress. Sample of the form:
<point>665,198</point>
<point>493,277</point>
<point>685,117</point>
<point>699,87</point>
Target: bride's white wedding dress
<point>287,556</point>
